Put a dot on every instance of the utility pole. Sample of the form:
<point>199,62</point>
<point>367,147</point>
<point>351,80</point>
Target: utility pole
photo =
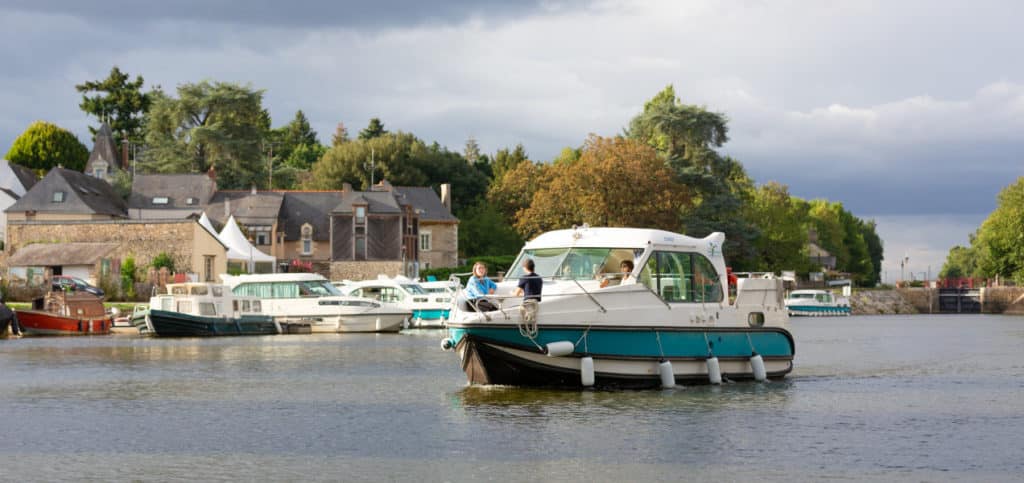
<point>370,166</point>
<point>269,146</point>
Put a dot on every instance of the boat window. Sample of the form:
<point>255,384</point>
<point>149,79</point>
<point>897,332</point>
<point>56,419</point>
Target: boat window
<point>574,263</point>
<point>682,277</point>
<point>414,289</point>
<point>234,305</point>
<point>185,306</point>
<point>166,303</point>
<point>824,298</point>
<point>217,290</point>
<point>245,306</point>
<point>199,290</point>
<point>179,290</point>
<point>256,306</point>
<point>207,308</point>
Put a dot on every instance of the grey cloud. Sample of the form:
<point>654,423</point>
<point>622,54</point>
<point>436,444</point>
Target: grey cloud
<point>294,13</point>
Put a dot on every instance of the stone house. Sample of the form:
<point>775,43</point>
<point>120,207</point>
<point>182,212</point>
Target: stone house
<point>170,196</point>
<point>438,235</point>
<point>66,195</point>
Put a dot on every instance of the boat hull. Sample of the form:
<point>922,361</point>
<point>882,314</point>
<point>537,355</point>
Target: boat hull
<point>34,322</point>
<point>817,310</point>
<point>175,324</point>
<point>622,357</point>
<point>429,318</point>
<point>366,322</point>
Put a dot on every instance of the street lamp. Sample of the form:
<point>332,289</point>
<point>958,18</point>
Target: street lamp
<point>903,262</point>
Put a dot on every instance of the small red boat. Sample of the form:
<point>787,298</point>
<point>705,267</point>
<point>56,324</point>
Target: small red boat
<point>65,313</point>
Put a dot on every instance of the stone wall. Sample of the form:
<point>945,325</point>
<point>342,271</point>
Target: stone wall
<point>444,240</point>
<point>351,270</point>
<point>1002,300</point>
<point>141,240</point>
<point>925,300</point>
<point>880,302</point>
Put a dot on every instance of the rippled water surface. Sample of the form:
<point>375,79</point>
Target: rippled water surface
<point>921,398</point>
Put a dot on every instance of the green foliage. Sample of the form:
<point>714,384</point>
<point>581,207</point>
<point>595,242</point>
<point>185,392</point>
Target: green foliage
<point>340,135</point>
<point>471,151</point>
<point>875,252</point>
<point>403,160</point>
<point>780,218</point>
<point>128,274</point>
<point>482,229</point>
<point>962,262</point>
<point>122,183</point>
<point>209,124</point>
<point>163,259</point>
<point>374,129</point>
<point>118,100</point>
<point>495,264</point>
<point>506,160</point>
<point>44,146</point>
<point>999,245</point>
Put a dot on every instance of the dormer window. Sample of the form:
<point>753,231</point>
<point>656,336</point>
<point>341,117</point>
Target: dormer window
<point>58,196</point>
<point>191,201</point>
<point>360,214</point>
<point>307,239</point>
<point>161,200</point>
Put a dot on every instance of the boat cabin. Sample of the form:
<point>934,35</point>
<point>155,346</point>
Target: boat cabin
<point>206,300</point>
<point>820,296</point>
<point>70,304</point>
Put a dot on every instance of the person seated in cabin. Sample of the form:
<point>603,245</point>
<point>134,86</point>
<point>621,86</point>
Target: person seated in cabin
<point>625,275</point>
<point>478,287</point>
<point>6,314</point>
<point>530,284</point>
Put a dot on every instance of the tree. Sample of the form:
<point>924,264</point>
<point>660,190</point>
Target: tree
<point>304,156</point>
<point>998,246</point>
<point>505,160</point>
<point>296,133</point>
<point>875,252</point>
<point>514,190</point>
<point>340,134</point>
<point>782,224</point>
<point>961,262</point>
<point>484,231</point>
<point>209,124</point>
<point>119,101</point>
<point>471,151</point>
<point>44,146</point>
<point>373,130</point>
<point>601,189</point>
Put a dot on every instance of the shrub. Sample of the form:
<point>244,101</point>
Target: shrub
<point>128,278</point>
<point>162,260</point>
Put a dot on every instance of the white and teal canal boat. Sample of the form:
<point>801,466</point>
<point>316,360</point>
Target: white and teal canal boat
<point>429,310</point>
<point>670,321</point>
<point>816,303</point>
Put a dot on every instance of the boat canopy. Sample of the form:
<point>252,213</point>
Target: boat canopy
<point>593,237</point>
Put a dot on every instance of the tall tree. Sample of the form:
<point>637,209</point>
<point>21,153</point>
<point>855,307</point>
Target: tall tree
<point>601,189</point>
<point>998,244</point>
<point>506,160</point>
<point>296,133</point>
<point>875,252</point>
<point>340,134</point>
<point>44,146</point>
<point>119,101</point>
<point>782,224</point>
<point>471,151</point>
<point>374,129</point>
<point>210,123</point>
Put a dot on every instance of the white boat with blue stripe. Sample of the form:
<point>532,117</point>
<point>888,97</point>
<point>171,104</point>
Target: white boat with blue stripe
<point>669,321</point>
<point>816,303</point>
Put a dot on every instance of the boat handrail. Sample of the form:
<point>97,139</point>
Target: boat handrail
<point>591,297</point>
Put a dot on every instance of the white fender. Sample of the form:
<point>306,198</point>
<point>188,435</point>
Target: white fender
<point>587,371</point>
<point>757,366</point>
<point>560,348</point>
<point>714,371</point>
<point>668,376</point>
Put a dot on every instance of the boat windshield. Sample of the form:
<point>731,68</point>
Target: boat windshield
<point>283,290</point>
<point>413,288</point>
<point>574,263</point>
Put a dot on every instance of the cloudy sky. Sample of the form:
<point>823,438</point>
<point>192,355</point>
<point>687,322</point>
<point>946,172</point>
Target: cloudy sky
<point>909,112</point>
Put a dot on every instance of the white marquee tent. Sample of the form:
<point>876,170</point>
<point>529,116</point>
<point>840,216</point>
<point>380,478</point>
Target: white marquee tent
<point>239,248</point>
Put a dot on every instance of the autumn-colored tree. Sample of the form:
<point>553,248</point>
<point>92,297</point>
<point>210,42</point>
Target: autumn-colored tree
<point>615,182</point>
<point>513,191</point>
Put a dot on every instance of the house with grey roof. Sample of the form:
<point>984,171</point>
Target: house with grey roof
<point>104,160</point>
<point>68,195</point>
<point>305,226</point>
<point>15,180</point>
<point>438,234</point>
<point>170,196</point>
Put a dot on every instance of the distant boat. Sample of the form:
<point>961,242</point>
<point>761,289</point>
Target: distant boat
<point>429,310</point>
<point>203,310</point>
<point>816,303</point>
<point>65,313</point>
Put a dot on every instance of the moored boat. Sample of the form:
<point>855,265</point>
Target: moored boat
<point>308,298</point>
<point>429,310</point>
<point>203,310</point>
<point>816,303</point>
<point>668,320</point>
<point>65,313</point>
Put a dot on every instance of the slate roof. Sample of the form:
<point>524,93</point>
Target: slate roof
<point>82,195</point>
<point>177,188</point>
<point>424,198</point>
<point>26,176</point>
<point>377,202</point>
<point>54,254</point>
<point>262,208</point>
<point>313,207</point>
<point>105,148</point>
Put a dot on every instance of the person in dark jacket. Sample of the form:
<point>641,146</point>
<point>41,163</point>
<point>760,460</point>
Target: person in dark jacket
<point>530,284</point>
<point>8,315</point>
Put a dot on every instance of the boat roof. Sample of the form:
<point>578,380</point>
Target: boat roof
<point>601,237</point>
<point>234,280</point>
<point>808,291</point>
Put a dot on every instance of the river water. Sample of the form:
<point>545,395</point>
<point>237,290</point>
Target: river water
<point>917,398</point>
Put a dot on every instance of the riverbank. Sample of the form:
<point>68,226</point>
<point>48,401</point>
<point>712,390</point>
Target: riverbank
<point>880,302</point>
<point>994,300</point>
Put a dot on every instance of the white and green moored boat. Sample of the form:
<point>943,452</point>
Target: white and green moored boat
<point>816,303</point>
<point>674,322</point>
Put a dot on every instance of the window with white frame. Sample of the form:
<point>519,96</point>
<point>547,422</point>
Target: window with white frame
<point>58,196</point>
<point>307,239</point>
<point>425,241</point>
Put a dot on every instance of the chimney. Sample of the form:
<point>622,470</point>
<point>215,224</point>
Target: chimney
<point>446,196</point>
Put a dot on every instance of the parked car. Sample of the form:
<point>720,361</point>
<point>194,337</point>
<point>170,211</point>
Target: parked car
<point>65,283</point>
